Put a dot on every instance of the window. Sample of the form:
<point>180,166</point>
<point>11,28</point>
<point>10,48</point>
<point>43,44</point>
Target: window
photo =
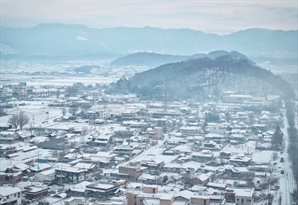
<point>15,195</point>
<point>248,200</point>
<point>19,194</point>
<point>135,197</point>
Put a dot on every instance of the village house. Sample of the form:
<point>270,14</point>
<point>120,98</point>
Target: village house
<point>240,196</point>
<point>156,133</point>
<point>101,189</point>
<point>10,195</point>
<point>132,171</point>
<point>48,175</point>
<point>69,174</point>
<point>35,192</point>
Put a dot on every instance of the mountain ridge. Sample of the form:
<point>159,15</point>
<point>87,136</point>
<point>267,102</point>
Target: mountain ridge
<point>54,39</point>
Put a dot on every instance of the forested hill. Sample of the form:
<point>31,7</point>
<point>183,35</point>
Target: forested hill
<point>193,77</point>
<point>156,59</point>
<point>151,59</point>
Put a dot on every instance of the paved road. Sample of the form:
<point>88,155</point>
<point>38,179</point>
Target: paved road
<point>287,182</point>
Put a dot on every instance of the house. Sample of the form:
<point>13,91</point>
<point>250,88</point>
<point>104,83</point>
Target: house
<point>10,177</point>
<point>70,174</point>
<point>8,137</point>
<point>76,201</point>
<point>123,150</point>
<point>156,133</point>
<point>240,196</point>
<point>241,161</point>
<point>131,171</point>
<point>102,189</point>
<point>138,197</point>
<point>48,175</point>
<point>190,130</point>
<point>171,167</point>
<point>35,192</point>
<point>152,163</point>
<point>102,140</point>
<point>10,195</point>
<point>258,128</point>
<point>200,200</point>
<point>5,150</point>
<point>201,157</point>
<point>5,126</point>
<point>79,189</point>
<point>150,179</point>
<point>202,179</point>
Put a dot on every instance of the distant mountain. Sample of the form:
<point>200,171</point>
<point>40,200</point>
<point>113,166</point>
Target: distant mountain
<point>196,77</point>
<point>75,40</point>
<point>151,59</point>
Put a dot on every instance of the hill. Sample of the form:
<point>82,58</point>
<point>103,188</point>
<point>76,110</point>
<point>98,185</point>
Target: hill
<point>198,77</point>
<point>151,59</point>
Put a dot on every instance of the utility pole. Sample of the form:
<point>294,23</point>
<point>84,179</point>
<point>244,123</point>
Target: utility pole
<point>165,101</point>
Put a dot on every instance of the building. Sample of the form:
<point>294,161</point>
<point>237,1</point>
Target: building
<point>240,196</point>
<point>123,150</point>
<point>36,192</point>
<point>48,175</point>
<point>20,89</point>
<point>202,179</point>
<point>156,133</point>
<point>132,172</point>
<point>70,174</point>
<point>10,195</point>
<point>3,92</point>
<point>102,189</point>
<point>76,201</point>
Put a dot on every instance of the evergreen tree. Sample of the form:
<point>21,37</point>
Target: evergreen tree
<point>277,138</point>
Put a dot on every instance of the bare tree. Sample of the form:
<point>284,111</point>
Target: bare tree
<point>84,130</point>
<point>19,120</point>
<point>57,94</point>
<point>23,119</point>
<point>14,120</point>
<point>73,110</point>
<point>64,111</point>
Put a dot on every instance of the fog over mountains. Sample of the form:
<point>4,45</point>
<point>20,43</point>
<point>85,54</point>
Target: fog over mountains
<point>66,41</point>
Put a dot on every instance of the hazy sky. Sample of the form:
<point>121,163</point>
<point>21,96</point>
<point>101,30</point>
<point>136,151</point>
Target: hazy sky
<point>210,16</point>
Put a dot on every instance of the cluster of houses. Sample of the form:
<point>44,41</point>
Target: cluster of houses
<point>123,151</point>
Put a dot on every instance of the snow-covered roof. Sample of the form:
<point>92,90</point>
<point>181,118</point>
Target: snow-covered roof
<point>7,190</point>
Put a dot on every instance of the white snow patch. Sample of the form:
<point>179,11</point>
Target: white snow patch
<point>80,38</point>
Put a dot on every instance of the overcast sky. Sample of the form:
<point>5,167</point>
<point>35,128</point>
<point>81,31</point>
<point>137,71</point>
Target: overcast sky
<point>221,17</point>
